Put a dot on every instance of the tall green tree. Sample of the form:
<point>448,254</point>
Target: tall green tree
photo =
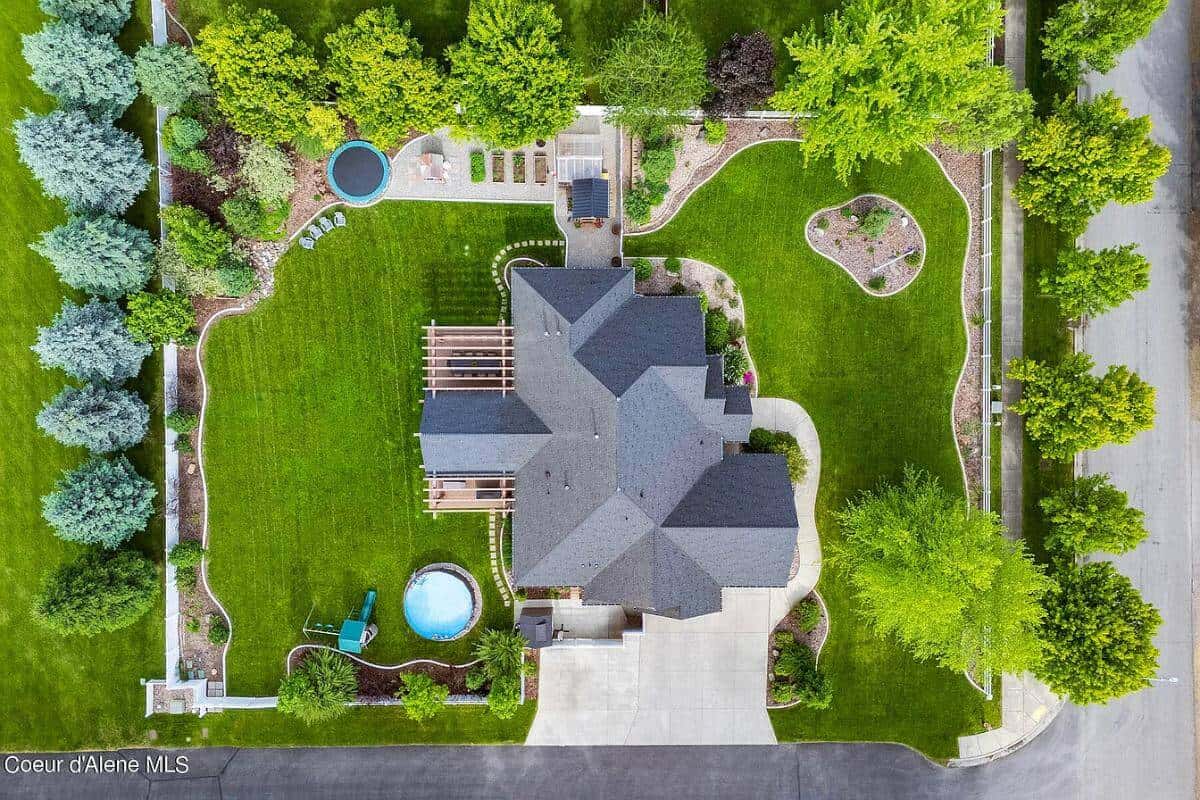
<point>514,83</point>
<point>1090,282</point>
<point>883,77</point>
<point>263,76</point>
<point>941,577</point>
<point>381,80</point>
<point>1090,34</point>
<point>654,71</point>
<point>170,74</point>
<point>1098,635</point>
<point>83,70</point>
<point>99,592</point>
<point>100,255</point>
<point>91,343</point>
<point>1085,155</point>
<point>104,502</point>
<point>1067,409</point>
<point>1091,514</point>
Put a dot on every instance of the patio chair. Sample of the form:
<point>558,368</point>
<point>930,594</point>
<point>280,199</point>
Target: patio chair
<point>306,243</point>
<point>326,225</point>
<point>339,219</point>
<point>315,232</point>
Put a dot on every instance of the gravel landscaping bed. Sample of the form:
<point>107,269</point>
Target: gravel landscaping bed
<point>836,233</point>
<point>813,639</point>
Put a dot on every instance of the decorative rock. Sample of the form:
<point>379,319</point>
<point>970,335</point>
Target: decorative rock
<point>191,470</point>
<point>904,222</point>
<point>818,232</point>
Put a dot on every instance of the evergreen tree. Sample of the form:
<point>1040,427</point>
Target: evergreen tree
<point>83,70</point>
<point>99,16</point>
<point>170,74</point>
<point>100,418</point>
<point>102,502</point>
<point>91,343</point>
<point>100,255</point>
<point>99,592</point>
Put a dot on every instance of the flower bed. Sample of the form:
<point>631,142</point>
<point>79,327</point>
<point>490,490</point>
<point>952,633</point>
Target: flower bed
<point>883,261</point>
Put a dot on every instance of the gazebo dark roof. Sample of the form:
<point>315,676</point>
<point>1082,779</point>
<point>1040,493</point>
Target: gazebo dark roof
<point>589,198</point>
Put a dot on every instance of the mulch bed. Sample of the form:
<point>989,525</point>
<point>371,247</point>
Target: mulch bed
<point>813,639</point>
<point>378,684</point>
<point>842,242</point>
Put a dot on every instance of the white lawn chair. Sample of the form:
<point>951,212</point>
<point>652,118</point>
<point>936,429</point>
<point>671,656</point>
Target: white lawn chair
<point>326,225</point>
<point>315,232</point>
<point>306,243</point>
<point>339,219</point>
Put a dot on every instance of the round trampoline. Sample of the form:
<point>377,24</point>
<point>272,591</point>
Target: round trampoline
<point>358,172</point>
<point>441,602</point>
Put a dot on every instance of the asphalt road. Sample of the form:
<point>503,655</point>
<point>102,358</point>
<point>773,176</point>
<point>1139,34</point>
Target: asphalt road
<point>1144,745</point>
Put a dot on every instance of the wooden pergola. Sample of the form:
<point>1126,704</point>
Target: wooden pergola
<point>469,493</point>
<point>468,358</point>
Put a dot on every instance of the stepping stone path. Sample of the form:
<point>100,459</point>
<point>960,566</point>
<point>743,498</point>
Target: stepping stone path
<point>503,258</point>
<point>495,534</point>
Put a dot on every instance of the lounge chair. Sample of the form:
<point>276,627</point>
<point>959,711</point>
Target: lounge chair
<point>306,243</point>
<point>315,232</point>
<point>326,225</point>
<point>339,219</point>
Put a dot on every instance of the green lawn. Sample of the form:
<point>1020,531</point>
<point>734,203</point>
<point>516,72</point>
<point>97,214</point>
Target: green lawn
<point>57,692</point>
<point>313,469</point>
<point>877,376</point>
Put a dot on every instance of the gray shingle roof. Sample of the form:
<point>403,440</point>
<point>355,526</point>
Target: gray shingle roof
<point>480,432</point>
<point>629,494</point>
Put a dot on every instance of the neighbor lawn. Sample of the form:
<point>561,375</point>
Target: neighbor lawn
<point>877,376</point>
<point>314,479</point>
<point>57,693</point>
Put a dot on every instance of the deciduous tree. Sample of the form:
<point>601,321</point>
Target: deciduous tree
<point>1098,635</point>
<point>883,78</point>
<point>99,592</point>
<point>263,76</point>
<point>89,165</point>
<point>103,502</point>
<point>83,70</point>
<point>170,74</point>
<point>1067,409</point>
<point>514,83</point>
<point>100,255</point>
<point>941,577</point>
<point>91,343</point>
<point>266,172</point>
<point>654,72</point>
<point>742,74</point>
<point>100,418</point>
<point>1085,155</point>
<point>1091,514</point>
<point>1090,282</point>
<point>381,80</point>
<point>1090,34</point>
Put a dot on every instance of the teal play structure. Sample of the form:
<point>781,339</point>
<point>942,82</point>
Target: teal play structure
<point>356,631</point>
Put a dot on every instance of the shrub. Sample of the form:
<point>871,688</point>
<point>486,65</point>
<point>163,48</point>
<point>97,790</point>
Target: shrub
<point>187,578</point>
<point>98,16</point>
<point>238,278</point>
<point>637,204</point>
<point>319,688</point>
<point>514,83</point>
<point>91,166</point>
<point>876,223</point>
<point>186,279</point>
<point>783,639</point>
<point>98,592</point>
<point>501,652</point>
<point>96,417</point>
<point>673,265</point>
<point>782,692</point>
<point>716,332</point>
<point>266,172</point>
<point>263,76</point>
<point>218,630</point>
<point>191,623</point>
<point>678,289</point>
<point>846,211</point>
<point>102,502</point>
<point>476,678</point>
<point>187,553</point>
<point>253,219</point>
<point>736,364</point>
<point>1098,635</point>
<point>877,283</point>
<point>181,137</point>
<point>83,70</point>
<point>100,255</point>
<point>737,331</point>
<point>653,73</point>
<point>913,259</point>
<point>742,74</point>
<point>504,698</point>
<point>782,443</point>
<point>200,242</point>
<point>822,223</point>
<point>806,614</point>
<point>478,167</point>
<point>161,318</point>
<point>91,343</point>
<point>382,82</point>
<point>1068,409</point>
<point>658,161</point>
<point>715,130</point>
<point>1091,514</point>
<point>642,269</point>
<point>424,698</point>
<point>170,74</point>
<point>182,422</point>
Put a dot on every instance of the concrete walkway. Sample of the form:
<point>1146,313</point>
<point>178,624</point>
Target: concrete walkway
<point>1027,706</point>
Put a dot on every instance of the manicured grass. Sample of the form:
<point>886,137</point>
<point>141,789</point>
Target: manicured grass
<point>877,376</point>
<point>57,693</point>
<point>314,479</point>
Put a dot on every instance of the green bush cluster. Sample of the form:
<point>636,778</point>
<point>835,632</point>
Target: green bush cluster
<point>796,677</point>
<point>501,653</point>
<point>424,698</point>
<point>716,332</point>
<point>876,222</point>
<point>715,130</point>
<point>781,443</point>
<point>658,162</point>
<point>478,166</point>
<point>807,613</point>
<point>319,689</point>
<point>218,630</point>
<point>181,421</point>
<point>181,138</point>
<point>737,363</point>
<point>642,269</point>
<point>253,219</point>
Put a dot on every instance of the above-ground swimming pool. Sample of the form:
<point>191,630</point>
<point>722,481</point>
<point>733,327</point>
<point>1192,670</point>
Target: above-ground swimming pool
<point>358,172</point>
<point>440,602</point>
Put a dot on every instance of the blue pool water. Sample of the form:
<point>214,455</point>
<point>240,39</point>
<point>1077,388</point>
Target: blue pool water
<point>438,605</point>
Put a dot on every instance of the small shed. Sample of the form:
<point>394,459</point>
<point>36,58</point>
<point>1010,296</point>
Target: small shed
<point>578,155</point>
<point>537,625</point>
<point>589,199</point>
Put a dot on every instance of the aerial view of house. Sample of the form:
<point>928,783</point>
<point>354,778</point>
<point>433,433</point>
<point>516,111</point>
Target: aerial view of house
<point>495,398</point>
